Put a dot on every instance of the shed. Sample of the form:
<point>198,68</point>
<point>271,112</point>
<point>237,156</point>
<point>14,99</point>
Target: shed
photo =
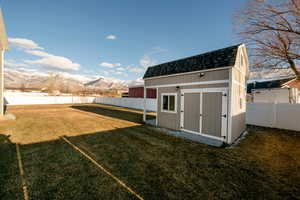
<point>202,97</point>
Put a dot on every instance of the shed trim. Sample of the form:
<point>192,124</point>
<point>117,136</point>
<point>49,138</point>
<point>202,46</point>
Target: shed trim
<point>205,135</point>
<point>224,90</point>
<point>229,108</point>
<point>188,84</point>
<point>162,102</point>
<point>239,84</point>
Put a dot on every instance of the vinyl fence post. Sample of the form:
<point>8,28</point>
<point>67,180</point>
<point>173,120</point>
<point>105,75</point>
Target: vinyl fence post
<point>144,113</point>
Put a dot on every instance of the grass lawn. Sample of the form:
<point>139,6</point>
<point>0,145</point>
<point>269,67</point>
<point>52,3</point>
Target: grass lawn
<point>265,165</point>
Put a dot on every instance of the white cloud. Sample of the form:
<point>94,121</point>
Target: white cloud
<point>110,65</point>
<point>106,72</point>
<point>146,61</point>
<point>50,60</point>
<point>119,73</point>
<point>38,53</point>
<point>136,70</point>
<point>120,69</point>
<point>12,63</point>
<point>111,37</point>
<point>47,59</point>
<point>22,43</point>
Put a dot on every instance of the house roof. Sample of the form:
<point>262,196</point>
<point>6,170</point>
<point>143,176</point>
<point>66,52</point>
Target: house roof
<point>294,83</point>
<point>211,60</point>
<point>277,83</point>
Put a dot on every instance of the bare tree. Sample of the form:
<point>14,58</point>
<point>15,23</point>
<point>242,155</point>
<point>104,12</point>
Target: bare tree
<point>271,28</point>
<point>22,87</point>
<point>52,82</point>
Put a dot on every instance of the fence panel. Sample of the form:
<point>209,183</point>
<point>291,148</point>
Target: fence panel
<point>260,114</point>
<point>288,116</point>
<point>276,115</point>
<point>23,98</point>
<point>136,103</point>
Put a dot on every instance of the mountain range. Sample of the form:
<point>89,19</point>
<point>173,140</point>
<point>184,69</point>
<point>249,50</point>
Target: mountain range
<point>29,78</point>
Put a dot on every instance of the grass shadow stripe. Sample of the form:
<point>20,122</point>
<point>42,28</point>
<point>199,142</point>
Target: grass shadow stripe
<point>20,164</point>
<point>102,168</point>
<point>103,117</point>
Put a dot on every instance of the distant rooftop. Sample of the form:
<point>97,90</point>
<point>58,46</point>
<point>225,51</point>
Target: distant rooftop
<point>267,83</point>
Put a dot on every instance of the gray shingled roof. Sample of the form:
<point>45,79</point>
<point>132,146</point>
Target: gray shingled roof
<point>215,59</point>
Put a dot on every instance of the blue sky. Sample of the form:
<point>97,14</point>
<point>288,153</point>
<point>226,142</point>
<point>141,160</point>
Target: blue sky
<point>113,38</point>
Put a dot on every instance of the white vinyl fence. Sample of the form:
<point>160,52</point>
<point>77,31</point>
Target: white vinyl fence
<point>27,98</point>
<point>275,115</point>
<point>136,103</point>
<point>276,95</point>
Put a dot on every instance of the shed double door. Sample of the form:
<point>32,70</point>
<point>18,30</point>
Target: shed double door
<point>204,112</point>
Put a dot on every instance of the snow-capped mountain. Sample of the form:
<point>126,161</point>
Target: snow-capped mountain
<point>30,78</point>
<point>36,79</point>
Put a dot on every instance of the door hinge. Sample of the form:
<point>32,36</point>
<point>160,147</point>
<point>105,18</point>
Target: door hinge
<point>224,115</point>
<point>181,111</point>
<point>224,95</point>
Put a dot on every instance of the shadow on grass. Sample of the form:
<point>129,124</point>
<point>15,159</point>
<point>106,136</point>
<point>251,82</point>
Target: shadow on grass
<point>108,111</point>
<point>54,170</point>
<point>10,182</point>
<point>155,165</point>
<point>159,166</point>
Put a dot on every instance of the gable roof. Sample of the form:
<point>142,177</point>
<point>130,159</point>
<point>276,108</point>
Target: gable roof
<point>294,83</point>
<point>211,60</point>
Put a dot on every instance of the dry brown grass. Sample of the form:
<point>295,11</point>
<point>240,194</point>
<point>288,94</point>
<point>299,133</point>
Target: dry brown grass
<point>41,123</point>
<point>265,165</point>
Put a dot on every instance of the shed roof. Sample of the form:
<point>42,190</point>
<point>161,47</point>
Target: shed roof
<point>211,60</point>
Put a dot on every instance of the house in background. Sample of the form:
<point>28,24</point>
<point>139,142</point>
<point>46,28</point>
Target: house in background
<point>137,91</point>
<point>275,95</point>
<point>294,83</point>
<point>3,47</point>
<point>278,90</point>
<point>202,97</point>
<point>267,83</point>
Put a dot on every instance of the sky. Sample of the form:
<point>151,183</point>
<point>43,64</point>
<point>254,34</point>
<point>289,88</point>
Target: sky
<point>117,38</point>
